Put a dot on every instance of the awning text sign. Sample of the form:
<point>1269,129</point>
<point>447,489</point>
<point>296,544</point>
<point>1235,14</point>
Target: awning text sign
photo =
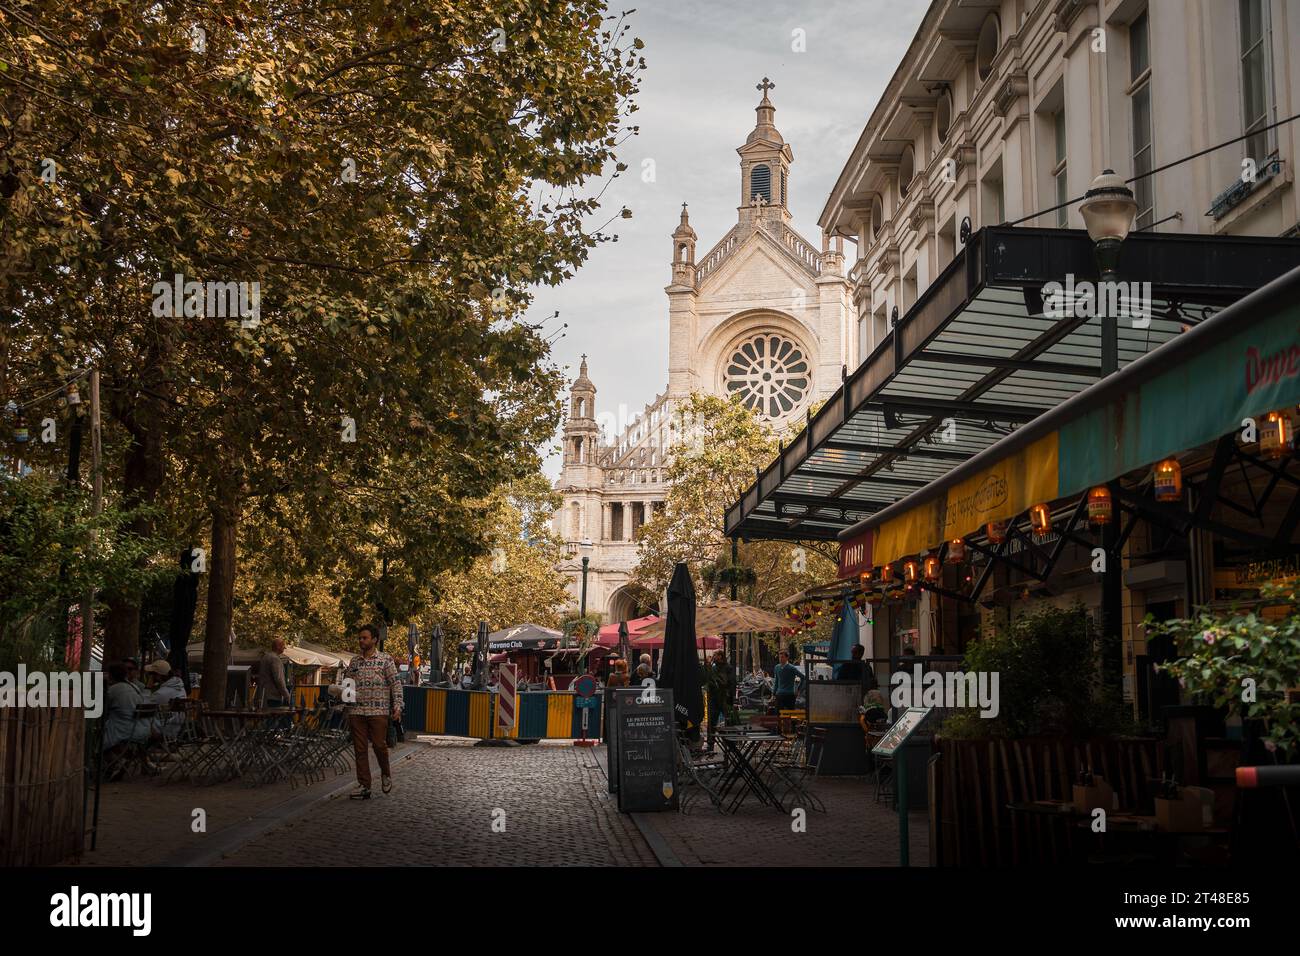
<point>855,555</point>
<point>1000,491</point>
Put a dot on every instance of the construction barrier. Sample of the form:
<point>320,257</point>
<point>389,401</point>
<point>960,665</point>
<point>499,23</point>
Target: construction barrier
<point>468,713</point>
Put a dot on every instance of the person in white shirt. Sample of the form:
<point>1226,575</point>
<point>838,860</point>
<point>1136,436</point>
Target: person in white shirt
<point>166,687</point>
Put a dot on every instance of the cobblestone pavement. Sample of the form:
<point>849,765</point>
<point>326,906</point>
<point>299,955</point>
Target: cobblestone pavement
<point>441,811</point>
<point>144,821</point>
<point>557,812</point>
<point>854,831</point>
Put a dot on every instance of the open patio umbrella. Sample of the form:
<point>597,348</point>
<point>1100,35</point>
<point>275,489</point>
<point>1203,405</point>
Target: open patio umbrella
<point>727,617</point>
<point>679,669</point>
<point>843,638</point>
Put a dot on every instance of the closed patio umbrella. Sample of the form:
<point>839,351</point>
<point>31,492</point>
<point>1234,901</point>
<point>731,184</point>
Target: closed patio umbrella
<point>435,654</point>
<point>680,668</point>
<point>480,657</point>
<point>843,638</point>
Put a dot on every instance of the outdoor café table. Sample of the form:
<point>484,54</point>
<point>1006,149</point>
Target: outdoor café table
<point>749,754</point>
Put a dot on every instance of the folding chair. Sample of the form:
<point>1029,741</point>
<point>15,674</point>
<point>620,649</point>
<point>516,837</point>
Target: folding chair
<point>699,775</point>
<point>797,766</point>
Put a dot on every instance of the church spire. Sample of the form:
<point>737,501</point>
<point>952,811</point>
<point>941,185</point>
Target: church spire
<point>764,165</point>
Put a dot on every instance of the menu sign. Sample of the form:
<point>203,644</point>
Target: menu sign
<point>645,751</point>
<point>903,728</point>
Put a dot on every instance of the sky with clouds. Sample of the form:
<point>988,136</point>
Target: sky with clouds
<point>696,106</point>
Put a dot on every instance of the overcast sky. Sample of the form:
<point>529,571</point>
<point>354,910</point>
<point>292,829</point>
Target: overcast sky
<point>704,60</point>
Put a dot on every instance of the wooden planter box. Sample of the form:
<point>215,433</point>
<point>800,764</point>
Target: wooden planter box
<point>973,781</point>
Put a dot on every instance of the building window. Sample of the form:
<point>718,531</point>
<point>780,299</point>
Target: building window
<point>943,115</point>
<point>760,183</point>
<point>877,215</point>
<point>1058,170</point>
<point>1139,58</point>
<point>770,374</point>
<point>986,48</point>
<point>1258,108</point>
<point>906,170</point>
<point>783,187</point>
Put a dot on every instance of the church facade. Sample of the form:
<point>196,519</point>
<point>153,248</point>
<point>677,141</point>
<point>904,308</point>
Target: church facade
<point>763,315</point>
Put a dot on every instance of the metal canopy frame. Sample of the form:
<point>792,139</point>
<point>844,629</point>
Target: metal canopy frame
<point>1263,482</point>
<point>975,358</point>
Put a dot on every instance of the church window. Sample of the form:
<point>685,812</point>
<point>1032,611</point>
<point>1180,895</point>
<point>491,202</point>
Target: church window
<point>783,187</point>
<point>770,374</point>
<point>760,183</point>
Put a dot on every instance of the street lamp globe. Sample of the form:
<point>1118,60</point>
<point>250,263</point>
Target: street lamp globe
<point>1108,208</point>
<point>585,547</point>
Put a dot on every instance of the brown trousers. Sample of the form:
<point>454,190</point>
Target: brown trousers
<point>372,730</point>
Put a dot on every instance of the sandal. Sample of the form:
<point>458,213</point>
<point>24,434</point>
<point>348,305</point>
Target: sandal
<point>361,793</point>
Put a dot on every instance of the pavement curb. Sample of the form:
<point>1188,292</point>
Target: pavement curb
<point>230,839</point>
<point>645,826</point>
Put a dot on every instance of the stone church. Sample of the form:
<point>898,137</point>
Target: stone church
<point>763,314</point>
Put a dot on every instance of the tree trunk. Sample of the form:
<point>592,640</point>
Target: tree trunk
<point>143,474</point>
<point>221,599</point>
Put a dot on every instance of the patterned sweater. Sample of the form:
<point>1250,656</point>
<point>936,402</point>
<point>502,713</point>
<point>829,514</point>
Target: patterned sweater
<point>379,690</point>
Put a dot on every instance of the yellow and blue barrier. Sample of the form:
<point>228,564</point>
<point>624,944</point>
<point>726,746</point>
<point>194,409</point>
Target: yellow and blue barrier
<point>468,713</point>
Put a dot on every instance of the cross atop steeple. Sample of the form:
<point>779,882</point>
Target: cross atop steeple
<point>765,86</point>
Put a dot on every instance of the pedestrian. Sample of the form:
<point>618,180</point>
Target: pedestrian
<point>785,677</point>
<point>272,691</point>
<point>618,675</point>
<point>722,692</point>
<point>643,670</point>
<point>378,701</point>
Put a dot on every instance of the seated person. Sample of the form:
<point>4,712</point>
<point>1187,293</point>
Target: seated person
<point>121,729</point>
<point>166,687</point>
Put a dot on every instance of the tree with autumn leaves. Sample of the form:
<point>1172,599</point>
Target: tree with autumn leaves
<point>395,178</point>
<point>721,444</point>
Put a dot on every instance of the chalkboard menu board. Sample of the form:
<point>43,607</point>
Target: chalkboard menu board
<point>644,749</point>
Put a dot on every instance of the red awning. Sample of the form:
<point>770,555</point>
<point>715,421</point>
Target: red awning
<point>607,636</point>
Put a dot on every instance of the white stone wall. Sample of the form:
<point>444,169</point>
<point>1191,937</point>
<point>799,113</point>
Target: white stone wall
<point>1002,125</point>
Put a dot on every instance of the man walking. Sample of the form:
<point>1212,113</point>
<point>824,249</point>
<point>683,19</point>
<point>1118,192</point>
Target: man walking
<point>378,700</point>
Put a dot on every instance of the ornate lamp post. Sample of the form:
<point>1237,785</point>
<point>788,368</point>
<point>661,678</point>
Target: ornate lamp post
<point>1108,209</point>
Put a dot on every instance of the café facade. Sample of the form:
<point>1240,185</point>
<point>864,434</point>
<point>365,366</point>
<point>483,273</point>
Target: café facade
<point>997,452</point>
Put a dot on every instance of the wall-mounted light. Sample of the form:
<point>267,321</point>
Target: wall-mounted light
<point>996,531</point>
<point>1277,435</point>
<point>1169,480</point>
<point>1101,510</point>
<point>932,567</point>
<point>1040,519</point>
<point>956,551</point>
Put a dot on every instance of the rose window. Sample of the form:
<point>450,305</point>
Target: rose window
<point>770,374</point>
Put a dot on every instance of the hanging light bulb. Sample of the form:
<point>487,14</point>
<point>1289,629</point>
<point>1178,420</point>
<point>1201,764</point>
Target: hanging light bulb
<point>887,574</point>
<point>1100,507</point>
<point>956,551</point>
<point>910,569</point>
<point>996,531</point>
<point>865,577</point>
<point>1169,480</point>
<point>1040,519</point>
<point>932,567</point>
<point>1277,435</point>
<point>20,428</point>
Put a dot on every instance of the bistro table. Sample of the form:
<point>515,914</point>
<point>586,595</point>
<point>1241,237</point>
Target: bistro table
<point>749,755</point>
